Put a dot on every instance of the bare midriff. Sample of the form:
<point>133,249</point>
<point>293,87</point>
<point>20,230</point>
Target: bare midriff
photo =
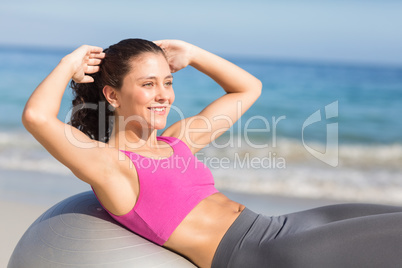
<point>199,234</point>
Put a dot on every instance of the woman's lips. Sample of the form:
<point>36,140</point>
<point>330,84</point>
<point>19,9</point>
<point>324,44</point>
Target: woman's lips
<point>160,110</point>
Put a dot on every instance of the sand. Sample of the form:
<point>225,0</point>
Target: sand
<point>17,217</point>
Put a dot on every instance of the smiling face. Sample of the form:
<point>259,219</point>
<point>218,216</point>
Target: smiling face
<point>146,95</point>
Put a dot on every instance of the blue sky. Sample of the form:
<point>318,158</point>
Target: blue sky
<point>338,30</point>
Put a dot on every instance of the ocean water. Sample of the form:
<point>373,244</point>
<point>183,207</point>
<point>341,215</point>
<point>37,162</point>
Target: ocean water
<point>318,129</point>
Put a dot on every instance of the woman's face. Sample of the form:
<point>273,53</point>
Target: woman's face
<point>147,93</point>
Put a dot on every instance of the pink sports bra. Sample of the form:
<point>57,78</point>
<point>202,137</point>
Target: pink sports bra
<point>169,189</point>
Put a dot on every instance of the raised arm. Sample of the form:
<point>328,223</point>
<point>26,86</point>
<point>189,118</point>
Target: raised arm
<point>242,90</point>
<point>67,144</point>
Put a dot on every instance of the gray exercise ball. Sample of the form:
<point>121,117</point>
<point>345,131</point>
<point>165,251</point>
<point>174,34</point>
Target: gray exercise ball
<point>78,232</point>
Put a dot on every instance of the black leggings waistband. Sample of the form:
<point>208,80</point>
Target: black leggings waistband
<point>231,238</point>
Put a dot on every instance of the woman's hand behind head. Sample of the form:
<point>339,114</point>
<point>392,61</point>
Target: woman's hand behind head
<point>85,60</point>
<point>178,53</point>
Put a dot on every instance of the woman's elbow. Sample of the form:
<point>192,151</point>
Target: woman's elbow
<point>31,119</point>
<point>257,88</point>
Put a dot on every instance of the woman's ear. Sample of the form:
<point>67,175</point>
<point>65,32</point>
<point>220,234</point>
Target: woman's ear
<point>111,96</point>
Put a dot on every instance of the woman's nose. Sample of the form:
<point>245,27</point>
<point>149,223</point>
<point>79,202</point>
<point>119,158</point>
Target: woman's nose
<point>163,93</point>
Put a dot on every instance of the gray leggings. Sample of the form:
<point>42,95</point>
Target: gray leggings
<point>346,235</point>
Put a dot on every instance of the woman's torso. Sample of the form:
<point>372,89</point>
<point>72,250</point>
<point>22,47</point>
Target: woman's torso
<point>201,229</point>
<point>198,235</point>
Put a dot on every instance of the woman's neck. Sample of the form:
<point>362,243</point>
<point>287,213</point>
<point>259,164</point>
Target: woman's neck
<point>131,138</point>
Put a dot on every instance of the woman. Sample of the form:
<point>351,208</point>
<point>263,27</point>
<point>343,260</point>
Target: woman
<point>158,189</point>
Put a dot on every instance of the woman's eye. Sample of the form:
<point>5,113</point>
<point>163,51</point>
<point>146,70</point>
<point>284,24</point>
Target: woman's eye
<point>147,84</point>
<point>169,83</point>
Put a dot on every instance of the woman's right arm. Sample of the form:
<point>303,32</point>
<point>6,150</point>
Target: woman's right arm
<point>63,141</point>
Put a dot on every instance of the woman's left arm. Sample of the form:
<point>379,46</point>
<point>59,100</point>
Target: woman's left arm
<point>242,89</point>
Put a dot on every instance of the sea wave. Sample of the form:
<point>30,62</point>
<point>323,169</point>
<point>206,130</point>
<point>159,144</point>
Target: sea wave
<point>364,172</point>
<point>20,151</point>
<point>369,173</point>
<point>350,184</point>
<point>294,152</point>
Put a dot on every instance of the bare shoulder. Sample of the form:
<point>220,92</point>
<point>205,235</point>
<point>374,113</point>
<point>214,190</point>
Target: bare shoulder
<point>195,131</point>
<point>180,131</point>
<point>119,187</point>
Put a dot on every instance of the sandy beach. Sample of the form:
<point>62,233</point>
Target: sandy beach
<point>22,201</point>
<point>24,196</point>
<point>17,217</point>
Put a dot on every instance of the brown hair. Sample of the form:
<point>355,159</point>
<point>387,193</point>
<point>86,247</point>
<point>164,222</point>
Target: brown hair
<point>92,114</point>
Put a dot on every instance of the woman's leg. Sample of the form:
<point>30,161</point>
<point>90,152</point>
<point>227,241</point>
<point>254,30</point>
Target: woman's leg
<point>349,235</point>
<point>312,218</point>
